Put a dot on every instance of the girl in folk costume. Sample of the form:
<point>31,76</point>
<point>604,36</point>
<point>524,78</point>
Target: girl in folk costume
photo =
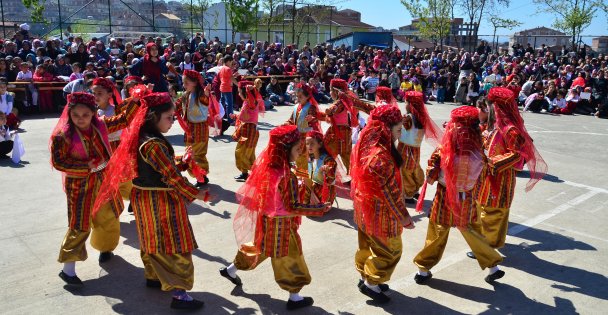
<point>305,117</point>
<point>269,214</point>
<point>159,199</point>
<point>342,116</point>
<point>321,171</point>
<point>106,98</point>
<point>508,146</point>
<point>384,96</point>
<point>246,133</point>
<point>380,211</point>
<point>196,112</point>
<point>129,82</point>
<point>80,148</point>
<point>417,124</point>
<point>456,166</point>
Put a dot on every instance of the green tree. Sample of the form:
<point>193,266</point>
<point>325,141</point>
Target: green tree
<point>197,9</point>
<point>434,18</point>
<point>243,15</point>
<point>36,8</point>
<point>475,10</point>
<point>271,16</point>
<point>498,22</point>
<point>571,16</point>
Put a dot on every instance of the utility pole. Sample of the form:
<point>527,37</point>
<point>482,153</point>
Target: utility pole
<point>153,24</point>
<point>60,21</point>
<point>3,25</point>
<point>110,15</point>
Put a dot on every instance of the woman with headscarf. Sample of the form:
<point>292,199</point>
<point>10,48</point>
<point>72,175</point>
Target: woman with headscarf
<point>269,215</point>
<point>509,147</point>
<point>380,211</point>
<point>80,55</point>
<point>456,166</point>
<point>152,69</point>
<point>159,197</point>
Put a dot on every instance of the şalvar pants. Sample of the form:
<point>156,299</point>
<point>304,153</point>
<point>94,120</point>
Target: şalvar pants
<point>493,224</point>
<point>174,271</point>
<point>105,233</point>
<point>437,239</point>
<point>375,260</point>
<point>290,272</point>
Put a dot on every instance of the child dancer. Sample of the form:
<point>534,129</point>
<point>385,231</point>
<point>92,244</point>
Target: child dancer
<point>456,166</point>
<point>106,98</point>
<point>338,140</point>
<point>305,117</point>
<point>380,211</point>
<point>416,125</point>
<point>269,214</point>
<point>80,149</point>
<point>246,133</point>
<point>194,113</point>
<point>159,199</point>
<point>321,171</point>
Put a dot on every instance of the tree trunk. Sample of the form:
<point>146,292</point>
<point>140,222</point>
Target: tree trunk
<point>494,40</point>
<point>269,21</point>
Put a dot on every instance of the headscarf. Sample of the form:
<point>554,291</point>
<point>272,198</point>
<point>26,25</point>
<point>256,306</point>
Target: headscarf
<point>122,166</point>
<point>432,132</point>
<point>150,68</point>
<point>260,195</point>
<point>253,96</point>
<point>384,96</point>
<point>214,119</point>
<point>342,86</point>
<point>507,117</point>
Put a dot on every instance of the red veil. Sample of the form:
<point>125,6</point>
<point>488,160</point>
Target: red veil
<point>375,138</point>
<point>342,86</point>
<point>122,166</point>
<point>110,86</point>
<point>461,158</point>
<point>432,133</point>
<point>214,120</point>
<point>253,96</point>
<point>260,195</point>
<point>384,96</point>
<point>507,117</point>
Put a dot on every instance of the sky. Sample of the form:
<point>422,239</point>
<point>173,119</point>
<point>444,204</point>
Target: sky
<point>392,14</point>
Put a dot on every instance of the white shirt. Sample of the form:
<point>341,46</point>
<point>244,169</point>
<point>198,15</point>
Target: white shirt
<point>561,103</point>
<point>25,76</point>
<point>5,107</point>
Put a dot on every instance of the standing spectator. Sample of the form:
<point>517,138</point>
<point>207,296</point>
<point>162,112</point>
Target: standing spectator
<point>227,79</point>
<point>152,68</point>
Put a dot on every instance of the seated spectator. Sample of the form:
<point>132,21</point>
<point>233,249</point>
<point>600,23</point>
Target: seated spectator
<point>275,93</point>
<point>76,74</point>
<point>318,91</point>
<point>6,106</point>
<point>6,140</point>
<point>80,85</point>
<point>45,97</point>
<point>259,85</point>
<point>354,84</point>
<point>370,84</point>
<point>291,89</point>
<point>536,102</point>
<point>559,103</point>
<point>31,95</point>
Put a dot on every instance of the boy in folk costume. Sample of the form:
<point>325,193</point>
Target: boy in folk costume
<point>196,113</point>
<point>305,117</point>
<point>456,166</point>
<point>338,139</point>
<point>321,182</point>
<point>380,211</point>
<point>80,148</point>
<point>417,124</point>
<point>508,146</point>
<point>267,221</point>
<point>246,133</point>
<point>159,199</point>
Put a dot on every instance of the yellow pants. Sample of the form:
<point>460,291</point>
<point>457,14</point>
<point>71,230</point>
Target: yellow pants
<point>290,272</point>
<point>104,237</point>
<point>174,271</point>
<point>437,239</point>
<point>376,261</point>
<point>412,180</point>
<point>199,153</point>
<point>125,190</point>
<point>244,155</point>
<point>493,224</point>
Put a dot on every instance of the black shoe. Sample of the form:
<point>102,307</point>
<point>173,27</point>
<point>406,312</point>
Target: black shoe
<point>420,279</point>
<point>105,256</point>
<point>471,255</point>
<point>495,276</point>
<point>306,302</point>
<point>153,283</point>
<point>383,286</point>
<point>203,183</point>
<point>377,297</point>
<point>236,280</point>
<point>416,195</point>
<point>4,157</point>
<point>242,177</point>
<point>72,281</point>
<point>410,200</point>
<point>186,305</point>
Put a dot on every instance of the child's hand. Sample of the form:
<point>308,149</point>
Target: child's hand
<point>208,90</point>
<point>232,116</point>
<point>309,118</point>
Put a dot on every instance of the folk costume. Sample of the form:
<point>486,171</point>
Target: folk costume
<point>320,186</point>
<point>417,125</point>
<point>298,118</point>
<point>269,215</point>
<point>384,96</point>
<point>71,151</point>
<point>196,113</point>
<point>456,166</point>
<point>342,117</point>
<point>159,198</point>
<point>380,211</point>
<point>246,133</point>
<point>110,109</point>
<point>508,146</point>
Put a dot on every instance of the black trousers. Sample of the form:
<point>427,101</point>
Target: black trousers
<point>6,147</point>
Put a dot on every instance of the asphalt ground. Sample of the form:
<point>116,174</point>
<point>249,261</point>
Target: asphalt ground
<point>556,260</point>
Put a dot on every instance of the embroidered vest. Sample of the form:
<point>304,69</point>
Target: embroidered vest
<point>196,112</point>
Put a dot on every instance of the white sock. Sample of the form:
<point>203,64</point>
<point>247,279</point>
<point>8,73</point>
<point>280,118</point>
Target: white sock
<point>231,270</point>
<point>374,288</point>
<point>493,269</point>
<point>69,268</point>
<point>423,273</point>
<point>295,297</point>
